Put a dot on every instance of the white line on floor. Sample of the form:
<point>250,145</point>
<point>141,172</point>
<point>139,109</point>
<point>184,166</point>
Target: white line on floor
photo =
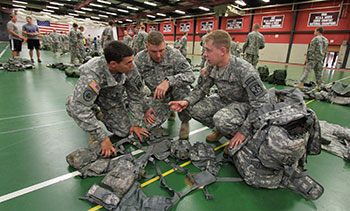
<point>34,114</point>
<point>3,51</point>
<point>63,177</point>
<point>35,127</point>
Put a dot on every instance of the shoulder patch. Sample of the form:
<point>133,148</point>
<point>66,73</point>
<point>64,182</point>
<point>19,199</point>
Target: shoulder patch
<point>94,86</point>
<point>138,82</point>
<point>254,86</point>
<point>88,95</point>
<point>183,65</point>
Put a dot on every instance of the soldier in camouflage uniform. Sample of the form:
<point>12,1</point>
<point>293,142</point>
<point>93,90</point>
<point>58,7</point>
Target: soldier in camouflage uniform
<point>107,34</point>
<point>140,41</point>
<point>177,43</point>
<point>133,45</point>
<point>253,42</point>
<point>240,92</point>
<point>102,82</point>
<point>55,41</point>
<point>235,50</point>
<point>315,56</point>
<point>127,39</point>
<point>168,75</point>
<point>81,46</point>
<point>73,43</point>
<point>183,44</point>
<point>201,65</point>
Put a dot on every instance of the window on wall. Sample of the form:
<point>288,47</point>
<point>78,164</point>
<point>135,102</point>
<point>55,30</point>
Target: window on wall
<point>207,25</point>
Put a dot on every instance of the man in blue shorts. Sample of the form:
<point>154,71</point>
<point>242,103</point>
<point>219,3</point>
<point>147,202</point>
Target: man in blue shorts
<point>32,32</point>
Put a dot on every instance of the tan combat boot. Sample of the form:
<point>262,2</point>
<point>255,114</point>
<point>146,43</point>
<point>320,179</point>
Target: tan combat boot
<point>299,85</point>
<point>185,130</point>
<point>92,140</point>
<point>214,136</point>
<point>172,116</point>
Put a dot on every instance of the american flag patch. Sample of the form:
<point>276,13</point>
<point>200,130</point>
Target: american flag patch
<point>95,86</point>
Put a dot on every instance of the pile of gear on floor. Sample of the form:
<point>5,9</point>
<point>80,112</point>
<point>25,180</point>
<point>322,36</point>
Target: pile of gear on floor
<point>70,70</point>
<point>275,155</point>
<point>17,64</point>
<point>278,77</point>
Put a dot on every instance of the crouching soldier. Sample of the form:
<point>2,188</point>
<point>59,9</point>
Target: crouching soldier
<point>102,83</point>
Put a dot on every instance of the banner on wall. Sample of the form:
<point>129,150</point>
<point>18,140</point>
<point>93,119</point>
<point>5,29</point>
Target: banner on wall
<point>167,28</point>
<point>205,25</point>
<point>152,28</point>
<point>323,19</point>
<point>275,21</point>
<point>234,23</point>
<point>185,27</point>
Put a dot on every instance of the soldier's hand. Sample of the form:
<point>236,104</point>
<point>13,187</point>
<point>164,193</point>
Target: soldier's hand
<point>139,131</point>
<point>107,148</point>
<point>149,116</point>
<point>237,140</point>
<point>161,90</point>
<point>178,105</point>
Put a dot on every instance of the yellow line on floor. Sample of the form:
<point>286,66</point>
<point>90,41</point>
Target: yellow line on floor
<point>164,174</point>
<point>310,101</point>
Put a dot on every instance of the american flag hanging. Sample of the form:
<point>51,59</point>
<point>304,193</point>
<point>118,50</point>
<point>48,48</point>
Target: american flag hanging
<point>47,27</point>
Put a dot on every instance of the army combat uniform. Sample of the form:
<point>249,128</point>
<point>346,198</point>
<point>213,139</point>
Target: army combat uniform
<point>107,36</point>
<point>240,92</point>
<point>203,59</point>
<point>253,42</point>
<point>98,86</point>
<point>174,68</point>
<point>235,50</point>
<point>73,44</point>
<point>183,46</point>
<point>55,41</point>
<point>315,56</point>
<point>127,40</point>
<point>140,41</point>
<point>81,47</point>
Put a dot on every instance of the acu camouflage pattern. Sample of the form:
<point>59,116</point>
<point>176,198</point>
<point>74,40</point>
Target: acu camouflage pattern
<point>180,149</point>
<point>316,54</point>
<point>98,86</point>
<point>339,138</point>
<point>55,41</point>
<point>335,92</point>
<point>285,133</point>
<point>183,46</point>
<point>73,44</point>
<point>235,50</point>
<point>253,43</point>
<point>127,40</point>
<point>103,197</point>
<point>173,67</point>
<point>140,41</point>
<point>17,64</point>
<point>203,157</point>
<point>240,92</point>
<point>107,36</point>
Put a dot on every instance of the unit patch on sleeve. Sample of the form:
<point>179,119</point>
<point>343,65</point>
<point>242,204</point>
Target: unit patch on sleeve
<point>94,86</point>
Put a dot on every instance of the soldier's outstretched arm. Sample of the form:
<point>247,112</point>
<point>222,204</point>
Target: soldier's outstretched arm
<point>178,105</point>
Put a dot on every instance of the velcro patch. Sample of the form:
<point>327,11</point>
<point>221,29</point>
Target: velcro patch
<point>204,72</point>
<point>95,86</point>
<point>256,88</point>
<point>183,65</point>
<point>88,95</point>
<point>138,82</point>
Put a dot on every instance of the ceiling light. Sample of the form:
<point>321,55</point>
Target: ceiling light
<point>51,7</point>
<point>150,3</point>
<point>19,2</point>
<point>47,13</point>
<point>120,21</point>
<point>15,5</point>
<point>73,14</point>
<point>128,20</point>
<point>81,12</point>
<point>87,9</point>
<point>95,5</point>
<point>93,17</point>
<point>111,13</point>
<point>179,11</point>
<point>121,10</point>
<point>19,9</point>
<point>266,1</point>
<point>151,16</point>
<point>203,8</point>
<point>46,10</point>
<point>132,8</point>
<point>104,16</point>
<point>104,2</point>
<point>88,19</point>
<point>240,2</point>
<point>55,3</point>
<point>161,14</point>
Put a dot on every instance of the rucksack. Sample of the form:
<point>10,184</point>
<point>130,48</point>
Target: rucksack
<point>278,77</point>
<point>285,132</point>
<point>264,73</point>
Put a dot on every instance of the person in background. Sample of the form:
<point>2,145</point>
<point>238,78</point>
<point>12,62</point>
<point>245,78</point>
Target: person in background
<point>31,31</point>
<point>15,37</point>
<point>253,43</point>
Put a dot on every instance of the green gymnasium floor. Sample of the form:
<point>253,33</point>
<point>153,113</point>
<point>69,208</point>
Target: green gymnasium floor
<point>36,134</point>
